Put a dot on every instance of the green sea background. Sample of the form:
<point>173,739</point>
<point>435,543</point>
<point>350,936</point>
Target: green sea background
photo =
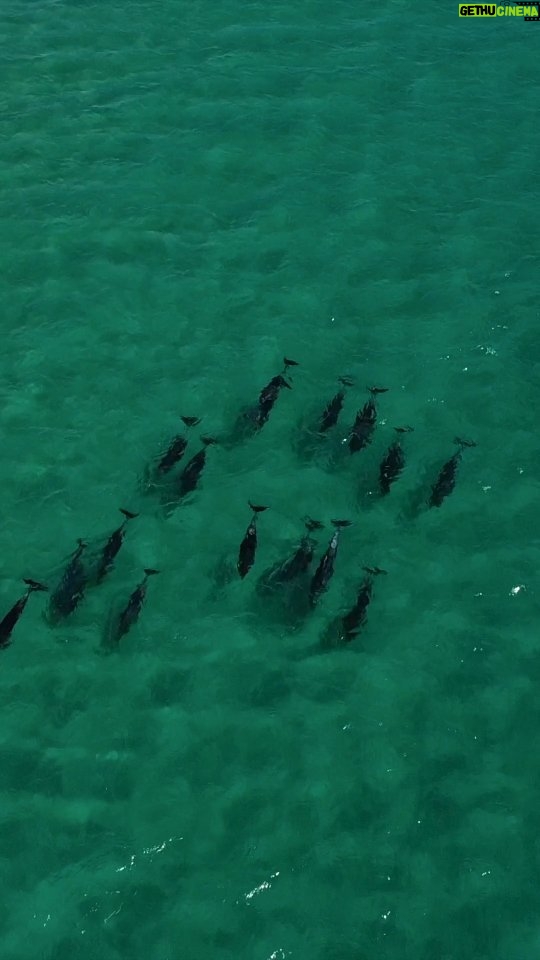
<point>189,192</point>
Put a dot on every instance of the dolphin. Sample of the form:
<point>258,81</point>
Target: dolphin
<point>331,412</point>
<point>299,562</point>
<point>176,449</point>
<point>12,616</point>
<point>351,623</point>
<point>325,570</point>
<point>191,474</point>
<point>70,590</point>
<point>364,425</point>
<point>446,480</point>
<point>393,463</point>
<point>130,613</point>
<point>254,419</point>
<point>112,546</point>
<point>248,547</point>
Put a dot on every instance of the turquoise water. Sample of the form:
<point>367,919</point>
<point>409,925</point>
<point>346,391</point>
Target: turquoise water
<point>189,192</point>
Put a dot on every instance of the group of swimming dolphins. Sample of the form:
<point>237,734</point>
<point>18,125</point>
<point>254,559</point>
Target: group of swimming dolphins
<point>80,573</point>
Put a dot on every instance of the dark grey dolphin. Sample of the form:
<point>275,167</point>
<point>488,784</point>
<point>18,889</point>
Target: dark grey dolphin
<point>12,616</point>
<point>393,463</point>
<point>299,562</point>
<point>70,590</point>
<point>351,623</point>
<point>176,449</point>
<point>364,425</point>
<point>325,570</point>
<point>446,480</point>
<point>112,546</point>
<point>331,412</point>
<point>130,613</point>
<point>191,474</point>
<point>248,547</point>
<point>254,419</point>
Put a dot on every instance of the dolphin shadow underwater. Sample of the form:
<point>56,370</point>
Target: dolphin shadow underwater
<point>283,604</point>
<point>305,591</point>
<point>328,451</point>
<point>283,589</point>
<point>289,589</point>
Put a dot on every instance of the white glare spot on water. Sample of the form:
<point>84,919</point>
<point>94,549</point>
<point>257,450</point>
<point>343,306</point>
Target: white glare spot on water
<point>385,916</point>
<point>490,351</point>
<point>147,851</point>
<point>485,489</point>
<point>486,873</point>
<point>515,590</point>
<point>157,849</point>
<point>496,292</point>
<point>332,319</point>
<point>265,885</point>
<point>479,594</point>
<point>508,274</point>
<point>279,954</point>
<point>262,886</point>
<point>465,369</point>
